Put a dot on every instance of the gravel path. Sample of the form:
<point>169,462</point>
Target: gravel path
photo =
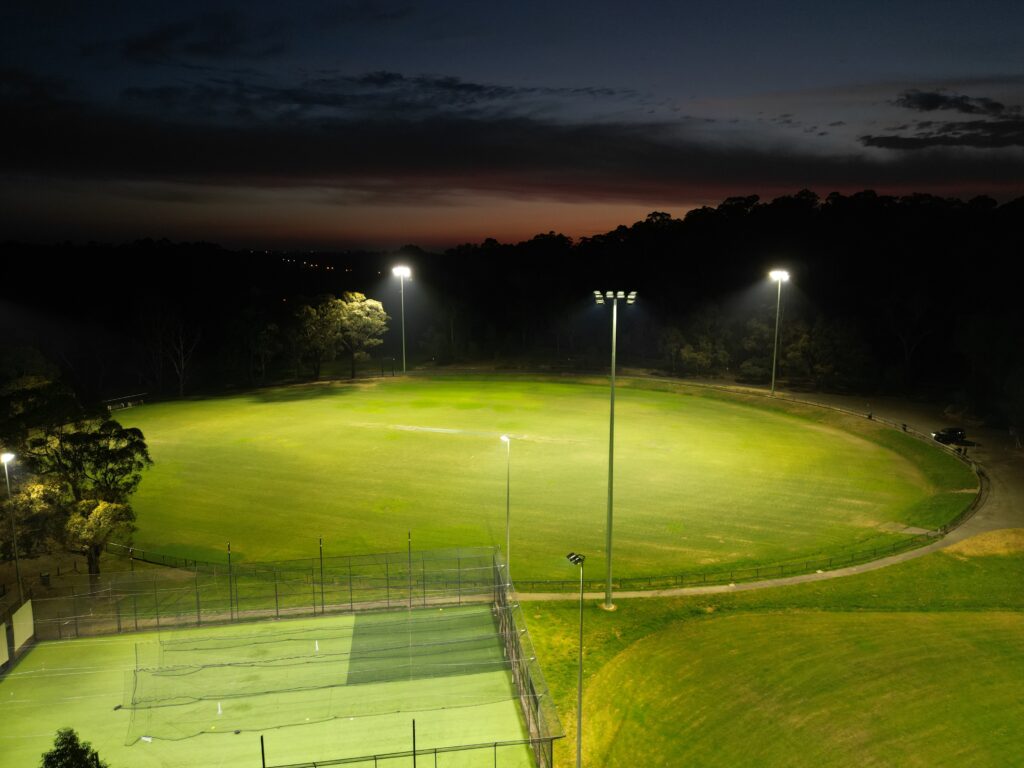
<point>1001,507</point>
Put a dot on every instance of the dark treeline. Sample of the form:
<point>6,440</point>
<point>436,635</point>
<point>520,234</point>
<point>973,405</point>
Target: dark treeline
<point>913,295</point>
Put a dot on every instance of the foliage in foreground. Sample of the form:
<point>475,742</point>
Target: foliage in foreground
<point>69,752</point>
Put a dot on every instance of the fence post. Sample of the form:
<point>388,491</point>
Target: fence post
<point>135,610</point>
<point>156,604</point>
<point>351,605</point>
<point>322,610</point>
<point>312,583</point>
<point>277,604</point>
<point>74,607</point>
<point>117,609</point>
<point>231,591</point>
<point>199,617</point>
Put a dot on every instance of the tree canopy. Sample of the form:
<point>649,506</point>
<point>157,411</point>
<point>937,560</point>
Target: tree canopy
<point>70,752</point>
<point>363,323</point>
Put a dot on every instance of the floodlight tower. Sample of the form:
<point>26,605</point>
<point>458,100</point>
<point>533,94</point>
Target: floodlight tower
<point>7,458</point>
<point>779,276</point>
<point>577,559</point>
<point>600,298</point>
<point>508,540</point>
<point>401,273</point>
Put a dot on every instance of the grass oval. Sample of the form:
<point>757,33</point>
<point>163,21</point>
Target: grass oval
<point>702,479</point>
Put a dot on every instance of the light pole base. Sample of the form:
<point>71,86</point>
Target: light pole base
<point>610,607</point>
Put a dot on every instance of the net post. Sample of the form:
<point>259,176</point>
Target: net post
<point>263,752</point>
<point>312,583</point>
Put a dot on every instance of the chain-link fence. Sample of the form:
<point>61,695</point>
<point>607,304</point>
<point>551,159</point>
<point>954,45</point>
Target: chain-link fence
<point>195,592</point>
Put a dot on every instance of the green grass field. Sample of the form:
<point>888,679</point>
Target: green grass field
<point>703,479</point>
<point>919,664</point>
<point>316,689</point>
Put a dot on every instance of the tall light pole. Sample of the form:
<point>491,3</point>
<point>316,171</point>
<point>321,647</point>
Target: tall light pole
<point>508,517</point>
<point>614,297</point>
<point>779,276</point>
<point>402,273</point>
<point>577,559</point>
<point>6,458</point>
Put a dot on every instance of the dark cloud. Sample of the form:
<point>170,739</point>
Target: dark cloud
<point>293,141</point>
<point>931,101</point>
<point>977,134</point>
<point>335,96</point>
<point>220,36</point>
<point>999,127</point>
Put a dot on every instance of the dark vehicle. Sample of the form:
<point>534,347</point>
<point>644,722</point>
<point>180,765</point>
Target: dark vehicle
<point>950,435</point>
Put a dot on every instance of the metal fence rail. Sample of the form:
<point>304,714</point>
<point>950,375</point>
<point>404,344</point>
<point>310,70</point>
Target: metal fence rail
<point>207,593</point>
<point>490,754</point>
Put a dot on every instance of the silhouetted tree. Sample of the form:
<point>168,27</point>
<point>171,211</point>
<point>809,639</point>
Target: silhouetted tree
<point>69,752</point>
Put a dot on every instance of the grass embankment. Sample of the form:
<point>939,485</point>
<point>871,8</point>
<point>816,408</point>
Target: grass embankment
<point>704,480</point>
<point>917,664</point>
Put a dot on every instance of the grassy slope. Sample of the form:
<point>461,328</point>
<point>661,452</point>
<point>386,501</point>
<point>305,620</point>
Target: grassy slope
<point>918,664</point>
<point>702,479</point>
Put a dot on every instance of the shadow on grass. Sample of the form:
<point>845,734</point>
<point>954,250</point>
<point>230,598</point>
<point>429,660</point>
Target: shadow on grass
<point>313,390</point>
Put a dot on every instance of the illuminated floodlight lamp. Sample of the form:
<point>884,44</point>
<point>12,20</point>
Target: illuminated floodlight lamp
<point>598,297</point>
<point>575,559</point>
<point>780,276</point>
<point>7,458</point>
<point>402,272</point>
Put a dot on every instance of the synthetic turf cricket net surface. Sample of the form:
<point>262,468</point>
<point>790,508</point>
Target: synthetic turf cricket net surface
<point>457,669</point>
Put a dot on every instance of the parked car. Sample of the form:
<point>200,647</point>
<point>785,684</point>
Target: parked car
<point>950,435</point>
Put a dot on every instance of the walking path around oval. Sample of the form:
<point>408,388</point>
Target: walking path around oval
<point>1002,506</point>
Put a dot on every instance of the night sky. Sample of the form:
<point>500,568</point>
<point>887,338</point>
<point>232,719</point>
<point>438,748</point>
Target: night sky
<point>374,124</point>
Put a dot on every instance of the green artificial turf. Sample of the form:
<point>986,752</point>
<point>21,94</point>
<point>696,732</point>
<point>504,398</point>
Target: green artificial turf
<point>294,682</point>
<point>703,480</point>
<point>915,664</point>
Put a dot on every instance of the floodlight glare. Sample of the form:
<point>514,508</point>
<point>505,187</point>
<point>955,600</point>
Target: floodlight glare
<point>402,272</point>
<point>504,438</point>
<point>779,276</point>
<point>6,458</point>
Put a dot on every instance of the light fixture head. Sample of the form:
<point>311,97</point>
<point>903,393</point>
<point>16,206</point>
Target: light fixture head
<point>575,558</point>
<point>401,272</point>
<point>779,275</point>
<point>598,297</point>
<point>631,298</point>
<point>6,457</point>
<point>505,438</point>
